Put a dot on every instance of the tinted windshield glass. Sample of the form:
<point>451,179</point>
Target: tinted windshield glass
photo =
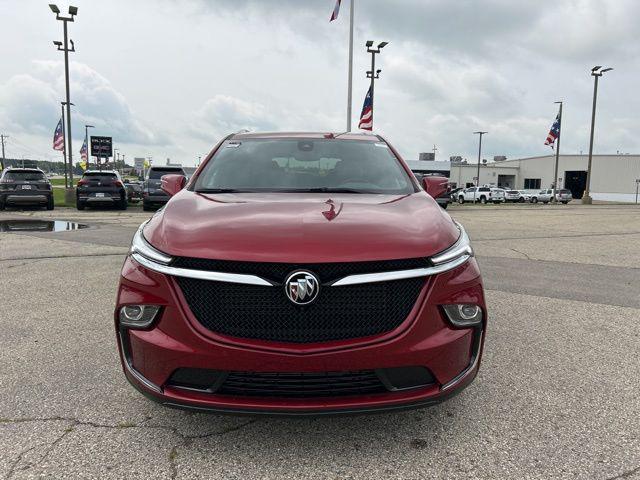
<point>305,165</point>
<point>24,176</point>
<point>99,176</point>
<point>157,173</point>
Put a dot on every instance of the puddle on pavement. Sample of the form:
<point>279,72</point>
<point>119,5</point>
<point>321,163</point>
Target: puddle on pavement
<point>39,226</point>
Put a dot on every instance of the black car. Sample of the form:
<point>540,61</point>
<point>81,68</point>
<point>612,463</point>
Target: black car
<point>134,191</point>
<point>25,187</point>
<point>97,188</point>
<point>152,194</point>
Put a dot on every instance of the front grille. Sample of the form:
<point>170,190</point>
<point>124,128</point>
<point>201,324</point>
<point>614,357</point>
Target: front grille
<point>301,385</point>
<point>277,272</point>
<point>265,313</point>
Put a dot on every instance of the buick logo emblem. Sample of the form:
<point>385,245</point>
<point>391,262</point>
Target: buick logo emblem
<point>302,287</point>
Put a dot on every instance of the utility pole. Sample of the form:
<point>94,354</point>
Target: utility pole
<point>555,171</point>
<point>2,138</point>
<point>479,155</point>
<point>595,73</point>
<point>435,149</point>
<point>373,74</point>
<point>73,11</point>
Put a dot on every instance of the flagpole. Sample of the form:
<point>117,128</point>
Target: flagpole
<point>349,86</point>
<point>555,172</point>
<point>64,145</point>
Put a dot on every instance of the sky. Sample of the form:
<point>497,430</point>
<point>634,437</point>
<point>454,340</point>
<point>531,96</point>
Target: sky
<point>170,78</point>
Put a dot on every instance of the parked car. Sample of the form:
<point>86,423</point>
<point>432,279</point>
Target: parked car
<point>525,195</point>
<point>25,187</point>
<point>152,194</point>
<point>481,194</point>
<point>100,188</point>
<point>514,196</point>
<point>564,196</point>
<point>134,191</point>
<point>300,274</point>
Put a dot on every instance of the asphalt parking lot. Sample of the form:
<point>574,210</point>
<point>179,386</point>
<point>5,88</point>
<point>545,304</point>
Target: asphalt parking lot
<point>557,395</point>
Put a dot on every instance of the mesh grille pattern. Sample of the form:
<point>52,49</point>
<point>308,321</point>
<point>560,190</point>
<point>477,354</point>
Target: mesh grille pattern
<point>301,385</point>
<point>277,272</point>
<point>265,313</point>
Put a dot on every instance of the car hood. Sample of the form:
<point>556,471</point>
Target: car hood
<point>301,228</point>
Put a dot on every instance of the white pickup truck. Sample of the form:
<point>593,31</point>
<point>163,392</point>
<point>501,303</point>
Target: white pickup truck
<point>480,194</point>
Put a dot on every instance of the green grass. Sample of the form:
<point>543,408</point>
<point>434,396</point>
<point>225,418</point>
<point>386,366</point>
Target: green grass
<point>60,181</point>
<point>58,198</point>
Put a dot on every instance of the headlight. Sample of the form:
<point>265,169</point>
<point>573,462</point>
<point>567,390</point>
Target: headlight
<point>138,316</point>
<point>463,315</point>
<point>140,246</point>
<point>462,248</point>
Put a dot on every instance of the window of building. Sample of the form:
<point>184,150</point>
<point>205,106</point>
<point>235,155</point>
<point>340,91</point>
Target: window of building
<point>531,183</point>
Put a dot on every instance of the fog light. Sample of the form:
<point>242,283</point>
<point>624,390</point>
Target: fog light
<point>138,316</point>
<point>463,315</point>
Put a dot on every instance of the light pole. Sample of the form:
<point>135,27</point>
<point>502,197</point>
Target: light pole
<point>595,73</point>
<point>479,155</point>
<point>73,11</point>
<point>374,74</point>
<point>116,159</point>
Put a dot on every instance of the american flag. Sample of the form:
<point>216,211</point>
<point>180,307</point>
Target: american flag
<point>83,151</point>
<point>335,12</point>
<point>554,132</point>
<point>366,117</point>
<point>58,137</point>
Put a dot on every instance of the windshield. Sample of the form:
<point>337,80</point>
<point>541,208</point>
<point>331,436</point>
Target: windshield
<point>157,173</point>
<point>309,165</point>
<point>24,176</point>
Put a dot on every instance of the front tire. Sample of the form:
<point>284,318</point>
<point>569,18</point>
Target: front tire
<point>564,203</point>
<point>521,200</point>
<point>534,200</point>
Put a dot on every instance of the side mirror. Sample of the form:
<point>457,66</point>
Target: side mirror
<point>172,184</point>
<point>435,185</point>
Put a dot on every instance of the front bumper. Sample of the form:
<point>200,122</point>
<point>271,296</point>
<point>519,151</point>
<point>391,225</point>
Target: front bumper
<point>176,340</point>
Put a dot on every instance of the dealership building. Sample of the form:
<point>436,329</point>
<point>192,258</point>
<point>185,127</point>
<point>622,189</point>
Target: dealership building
<point>613,177</point>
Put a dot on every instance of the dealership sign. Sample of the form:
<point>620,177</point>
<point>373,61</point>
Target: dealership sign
<point>101,147</point>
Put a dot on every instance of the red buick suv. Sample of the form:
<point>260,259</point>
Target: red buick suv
<point>300,273</point>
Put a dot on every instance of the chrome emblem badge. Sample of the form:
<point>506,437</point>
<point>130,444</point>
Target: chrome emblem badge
<point>302,287</point>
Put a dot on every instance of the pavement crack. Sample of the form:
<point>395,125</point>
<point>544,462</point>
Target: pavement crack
<point>173,454</point>
<point>522,253</point>
<point>124,425</point>
<point>16,462</point>
<point>626,474</point>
